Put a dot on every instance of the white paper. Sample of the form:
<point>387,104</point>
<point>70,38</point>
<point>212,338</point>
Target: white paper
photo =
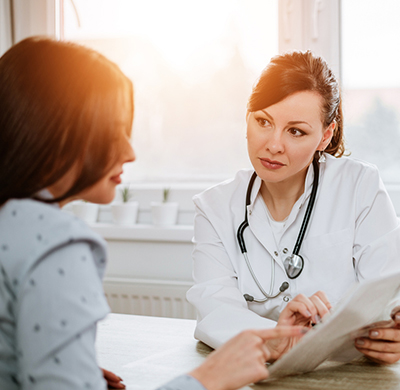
<point>333,338</point>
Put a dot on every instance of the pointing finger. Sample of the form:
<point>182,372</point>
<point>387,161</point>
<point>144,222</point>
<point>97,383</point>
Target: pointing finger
<point>281,331</point>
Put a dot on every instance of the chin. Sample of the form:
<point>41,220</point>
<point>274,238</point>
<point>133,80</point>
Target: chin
<point>107,199</point>
<point>271,177</point>
<point>101,197</point>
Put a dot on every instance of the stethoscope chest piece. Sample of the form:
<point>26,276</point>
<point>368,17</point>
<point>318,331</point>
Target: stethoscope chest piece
<point>293,264</point>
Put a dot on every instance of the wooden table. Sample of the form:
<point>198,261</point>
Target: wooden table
<point>149,351</point>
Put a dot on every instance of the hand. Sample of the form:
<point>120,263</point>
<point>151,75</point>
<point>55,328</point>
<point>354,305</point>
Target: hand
<point>301,311</point>
<point>241,360</point>
<point>305,311</point>
<point>382,344</point>
<point>113,381</point>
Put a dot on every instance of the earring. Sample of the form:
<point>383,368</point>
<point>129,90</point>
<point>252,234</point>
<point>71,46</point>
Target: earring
<point>322,158</point>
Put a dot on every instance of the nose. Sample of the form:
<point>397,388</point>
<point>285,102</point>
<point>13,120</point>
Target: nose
<point>275,142</point>
<point>128,154</point>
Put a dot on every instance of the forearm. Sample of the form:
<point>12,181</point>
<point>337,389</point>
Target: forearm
<point>227,321</point>
<point>183,382</point>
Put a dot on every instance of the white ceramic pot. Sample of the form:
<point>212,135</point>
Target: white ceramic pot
<point>125,213</point>
<point>86,211</point>
<point>164,214</point>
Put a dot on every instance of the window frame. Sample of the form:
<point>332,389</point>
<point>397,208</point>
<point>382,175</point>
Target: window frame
<point>309,24</point>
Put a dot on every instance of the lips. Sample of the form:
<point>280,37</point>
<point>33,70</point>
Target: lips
<point>271,164</point>
<point>117,178</point>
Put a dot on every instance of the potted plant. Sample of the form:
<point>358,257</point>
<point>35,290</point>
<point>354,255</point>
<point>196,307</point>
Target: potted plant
<point>125,211</point>
<point>85,210</point>
<point>164,213</point>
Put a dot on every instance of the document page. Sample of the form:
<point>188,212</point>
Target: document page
<point>366,303</point>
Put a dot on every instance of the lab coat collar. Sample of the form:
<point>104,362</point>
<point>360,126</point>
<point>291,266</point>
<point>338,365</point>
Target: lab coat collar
<point>46,194</point>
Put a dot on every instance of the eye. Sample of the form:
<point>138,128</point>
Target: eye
<point>296,132</point>
<point>263,122</point>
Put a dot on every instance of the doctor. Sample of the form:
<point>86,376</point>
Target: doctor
<point>305,222</point>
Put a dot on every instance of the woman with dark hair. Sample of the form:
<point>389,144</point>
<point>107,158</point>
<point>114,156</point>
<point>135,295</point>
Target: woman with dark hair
<point>305,222</point>
<point>65,123</point>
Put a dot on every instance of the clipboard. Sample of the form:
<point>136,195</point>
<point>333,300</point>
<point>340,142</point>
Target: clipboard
<point>333,339</point>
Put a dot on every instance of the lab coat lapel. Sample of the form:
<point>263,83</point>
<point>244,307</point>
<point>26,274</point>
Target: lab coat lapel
<point>303,200</point>
<point>258,223</point>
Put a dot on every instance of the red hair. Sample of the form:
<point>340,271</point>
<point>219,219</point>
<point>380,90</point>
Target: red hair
<point>302,71</point>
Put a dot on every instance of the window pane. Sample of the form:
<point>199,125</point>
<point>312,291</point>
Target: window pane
<point>193,64</point>
<point>371,82</point>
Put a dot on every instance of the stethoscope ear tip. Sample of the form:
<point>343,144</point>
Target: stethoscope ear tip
<point>248,298</point>
<point>284,286</point>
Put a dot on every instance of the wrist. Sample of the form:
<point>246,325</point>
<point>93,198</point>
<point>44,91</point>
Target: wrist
<point>206,377</point>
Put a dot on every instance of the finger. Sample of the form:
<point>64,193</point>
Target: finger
<point>307,303</point>
<point>262,373</point>
<point>388,334</point>
<point>266,353</point>
<point>322,296</point>
<point>280,332</point>
<point>115,385</point>
<point>322,310</point>
<point>396,318</point>
<point>111,376</point>
<point>377,346</point>
<point>113,380</point>
<point>395,314</point>
<point>298,307</point>
<point>381,357</point>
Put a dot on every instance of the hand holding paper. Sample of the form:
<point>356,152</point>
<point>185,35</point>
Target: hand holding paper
<point>301,311</point>
<point>381,343</point>
<point>334,338</point>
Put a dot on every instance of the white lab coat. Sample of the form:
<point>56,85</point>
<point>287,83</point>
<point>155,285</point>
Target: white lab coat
<point>353,234</point>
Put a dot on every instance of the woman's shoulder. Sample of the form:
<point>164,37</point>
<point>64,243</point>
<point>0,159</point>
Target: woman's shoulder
<point>227,189</point>
<point>350,167</point>
<point>30,229</point>
<point>26,215</point>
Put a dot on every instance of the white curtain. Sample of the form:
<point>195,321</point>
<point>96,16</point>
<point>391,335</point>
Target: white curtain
<point>5,26</point>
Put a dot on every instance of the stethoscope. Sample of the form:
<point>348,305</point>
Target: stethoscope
<point>294,263</point>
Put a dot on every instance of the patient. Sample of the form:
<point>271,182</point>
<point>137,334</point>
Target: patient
<point>65,123</point>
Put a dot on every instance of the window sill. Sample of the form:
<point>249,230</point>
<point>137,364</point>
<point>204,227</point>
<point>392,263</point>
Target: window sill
<point>142,232</point>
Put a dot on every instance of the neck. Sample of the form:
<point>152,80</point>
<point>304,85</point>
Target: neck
<point>281,197</point>
<point>53,191</point>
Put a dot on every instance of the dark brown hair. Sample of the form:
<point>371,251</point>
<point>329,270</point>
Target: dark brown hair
<point>60,103</point>
<point>302,71</point>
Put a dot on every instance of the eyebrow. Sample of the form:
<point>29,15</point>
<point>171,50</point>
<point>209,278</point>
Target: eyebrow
<point>269,116</point>
<point>289,123</point>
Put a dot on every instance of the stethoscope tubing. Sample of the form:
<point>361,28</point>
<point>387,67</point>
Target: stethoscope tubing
<point>296,250</point>
<point>267,296</point>
<point>245,223</point>
<point>309,209</point>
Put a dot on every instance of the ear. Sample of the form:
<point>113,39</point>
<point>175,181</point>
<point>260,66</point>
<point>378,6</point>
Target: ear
<point>327,137</point>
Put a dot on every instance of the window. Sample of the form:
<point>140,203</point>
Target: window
<point>371,83</point>
<point>193,65</point>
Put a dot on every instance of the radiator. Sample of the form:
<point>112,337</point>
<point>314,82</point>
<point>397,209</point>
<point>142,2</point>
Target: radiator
<point>149,297</point>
